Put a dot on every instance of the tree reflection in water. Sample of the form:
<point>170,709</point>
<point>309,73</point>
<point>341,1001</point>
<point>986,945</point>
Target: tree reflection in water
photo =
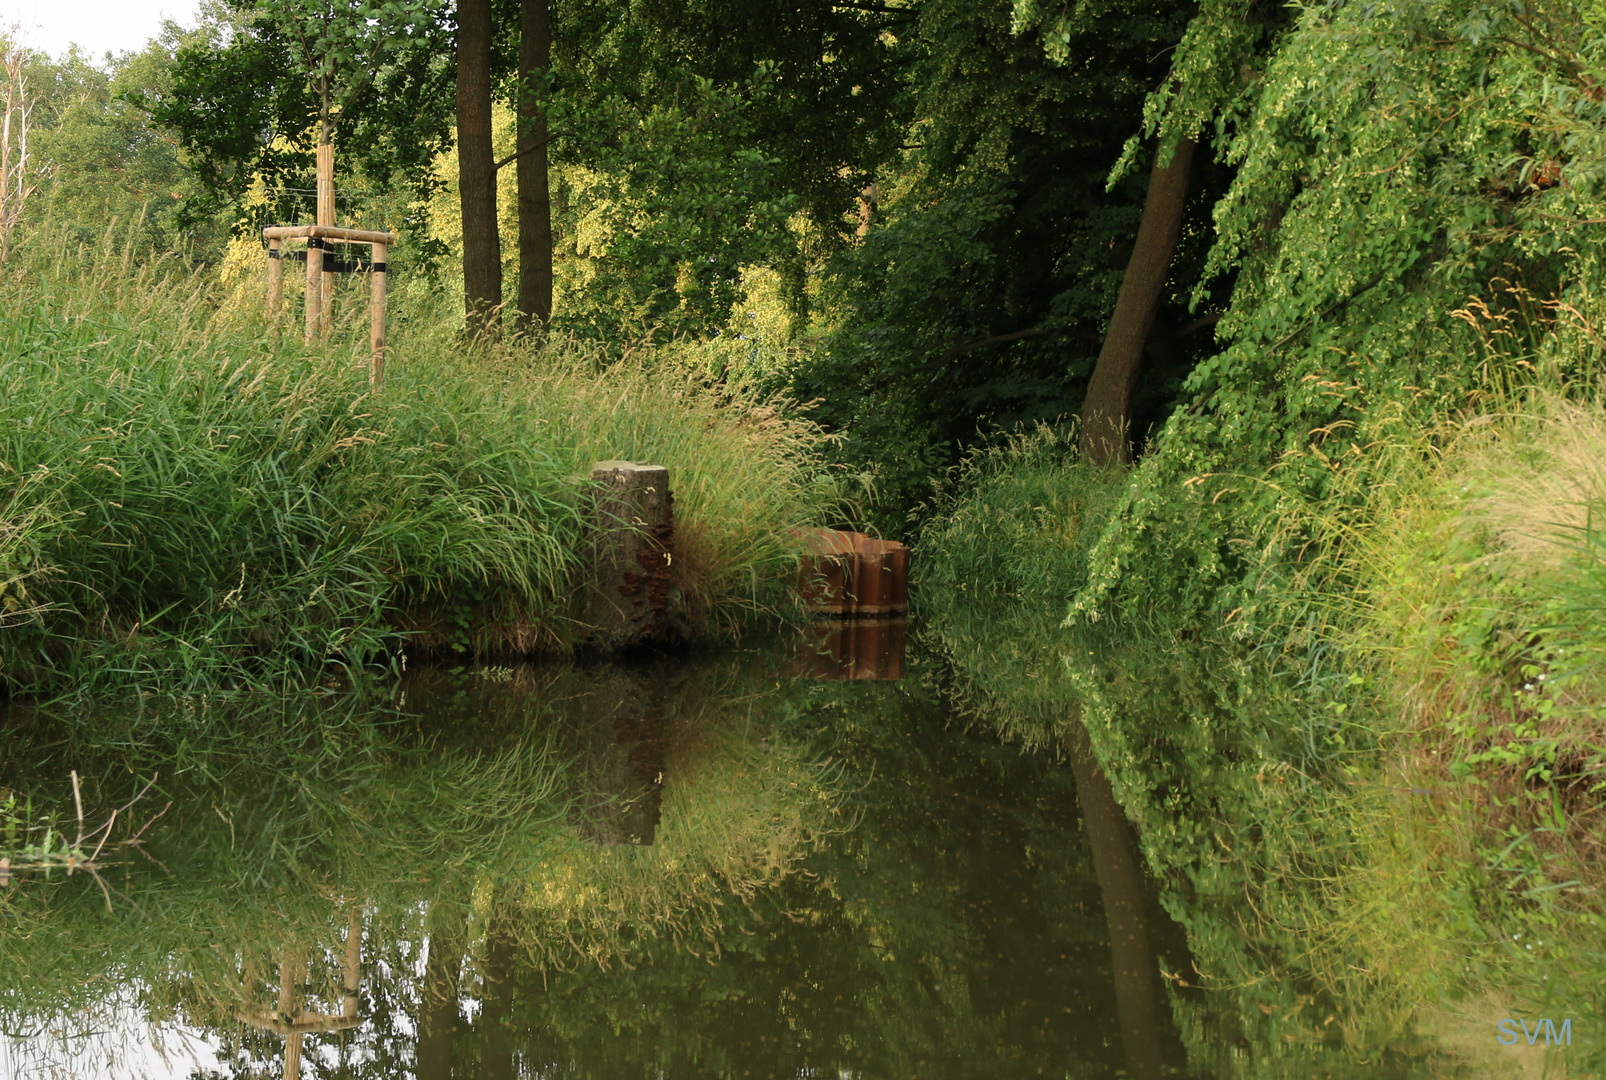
<point>676,867</point>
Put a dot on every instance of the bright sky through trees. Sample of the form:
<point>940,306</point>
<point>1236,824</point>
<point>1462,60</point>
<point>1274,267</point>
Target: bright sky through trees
<point>96,26</point>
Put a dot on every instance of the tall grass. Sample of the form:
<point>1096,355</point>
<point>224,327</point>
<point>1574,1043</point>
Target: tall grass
<point>188,497</point>
<point>1478,620</point>
<point>1017,519</point>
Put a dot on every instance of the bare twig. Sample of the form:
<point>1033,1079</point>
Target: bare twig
<point>14,161</point>
<point>78,804</point>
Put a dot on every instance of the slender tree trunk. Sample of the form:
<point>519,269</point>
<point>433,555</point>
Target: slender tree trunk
<point>476,169</point>
<point>535,192</point>
<point>496,1053</point>
<point>438,1007</point>
<point>1144,1029</point>
<point>1106,413</point>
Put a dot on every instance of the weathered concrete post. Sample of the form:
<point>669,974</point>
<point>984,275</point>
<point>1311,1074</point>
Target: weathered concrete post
<point>632,597</point>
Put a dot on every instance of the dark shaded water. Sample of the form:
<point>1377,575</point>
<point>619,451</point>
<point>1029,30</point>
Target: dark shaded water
<point>768,864</point>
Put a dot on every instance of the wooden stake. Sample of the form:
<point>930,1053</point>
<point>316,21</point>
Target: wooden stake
<point>314,288</point>
<point>376,315</point>
<point>326,184</point>
<point>326,306</point>
<point>275,277</point>
<point>326,216</point>
<point>353,965</point>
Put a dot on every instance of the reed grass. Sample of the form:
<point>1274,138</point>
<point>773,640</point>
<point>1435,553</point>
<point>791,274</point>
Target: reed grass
<point>189,499</point>
<point>1478,616</point>
<point>1016,519</point>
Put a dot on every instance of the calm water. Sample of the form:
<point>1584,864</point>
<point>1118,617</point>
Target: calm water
<point>776,863</point>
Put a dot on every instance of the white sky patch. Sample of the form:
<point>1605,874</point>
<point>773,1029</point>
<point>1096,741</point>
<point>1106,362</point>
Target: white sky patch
<point>96,26</point>
<point>117,1043</point>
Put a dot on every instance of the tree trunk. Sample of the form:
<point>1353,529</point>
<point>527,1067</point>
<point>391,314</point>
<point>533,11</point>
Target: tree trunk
<point>438,1004</point>
<point>476,169</point>
<point>1138,1002</point>
<point>496,1046</point>
<point>1106,413</point>
<point>535,193</point>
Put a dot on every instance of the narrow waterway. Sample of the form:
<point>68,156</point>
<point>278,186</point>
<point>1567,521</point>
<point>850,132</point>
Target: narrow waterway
<point>782,862</point>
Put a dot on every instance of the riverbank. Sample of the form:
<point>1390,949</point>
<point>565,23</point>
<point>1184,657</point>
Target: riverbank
<point>1335,637</point>
<point>1373,791</point>
<point>191,500</point>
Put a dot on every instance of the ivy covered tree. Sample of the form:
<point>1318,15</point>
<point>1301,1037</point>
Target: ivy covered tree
<point>1393,161</point>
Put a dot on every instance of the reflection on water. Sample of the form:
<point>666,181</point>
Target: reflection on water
<point>853,649</point>
<point>1146,1033</point>
<point>290,1019</point>
<point>618,735</point>
<point>666,868</point>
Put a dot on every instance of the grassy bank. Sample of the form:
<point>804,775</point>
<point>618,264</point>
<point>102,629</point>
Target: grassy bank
<point>189,497</point>
<point>1377,801</point>
<point>1336,637</point>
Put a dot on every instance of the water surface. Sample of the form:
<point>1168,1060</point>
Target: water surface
<point>772,863</point>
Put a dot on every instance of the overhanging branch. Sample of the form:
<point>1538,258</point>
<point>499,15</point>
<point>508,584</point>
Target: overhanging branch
<point>528,150</point>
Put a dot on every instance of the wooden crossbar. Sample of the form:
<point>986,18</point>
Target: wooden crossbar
<point>332,266</point>
<point>329,232</point>
<point>320,272</point>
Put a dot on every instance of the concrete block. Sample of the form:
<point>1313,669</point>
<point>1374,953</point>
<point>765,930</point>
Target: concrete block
<point>632,597</point>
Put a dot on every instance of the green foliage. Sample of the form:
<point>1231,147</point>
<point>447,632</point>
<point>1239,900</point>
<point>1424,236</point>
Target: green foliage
<point>1016,522</point>
<point>247,105</point>
<point>686,199</point>
<point>191,497</point>
<point>1309,644</point>
<point>96,156</point>
<point>718,140</point>
<point>817,89</point>
<point>1391,169</point>
<point>978,297</point>
<point>1215,73</point>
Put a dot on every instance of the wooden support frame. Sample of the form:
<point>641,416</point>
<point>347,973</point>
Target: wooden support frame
<point>295,1025</point>
<point>377,301</point>
<point>320,275</point>
<point>321,269</point>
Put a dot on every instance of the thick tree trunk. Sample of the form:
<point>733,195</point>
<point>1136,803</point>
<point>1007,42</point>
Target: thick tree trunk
<point>1106,413</point>
<point>535,193</point>
<point>476,168</point>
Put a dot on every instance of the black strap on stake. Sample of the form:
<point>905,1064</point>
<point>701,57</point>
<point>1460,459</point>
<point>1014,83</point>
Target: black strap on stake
<point>332,266</point>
